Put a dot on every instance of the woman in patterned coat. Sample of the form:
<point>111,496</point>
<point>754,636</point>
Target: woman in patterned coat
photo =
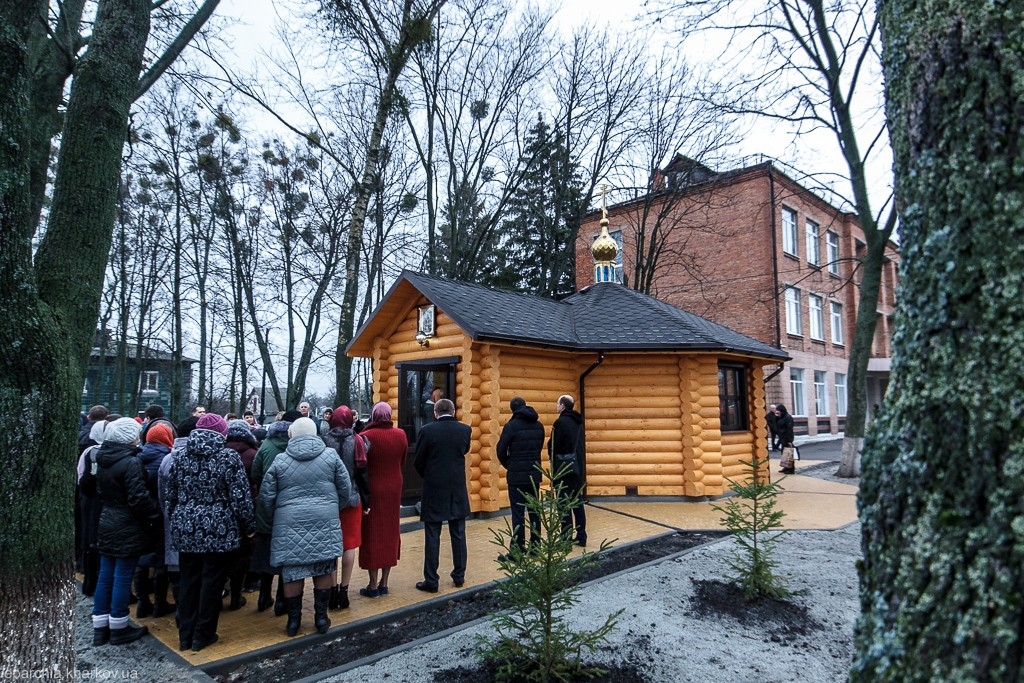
<point>382,539</point>
<point>209,503</point>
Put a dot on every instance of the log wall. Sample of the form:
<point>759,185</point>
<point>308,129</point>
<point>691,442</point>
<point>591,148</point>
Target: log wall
<point>652,419</point>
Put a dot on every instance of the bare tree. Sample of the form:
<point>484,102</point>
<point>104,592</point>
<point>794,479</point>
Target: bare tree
<point>822,57</point>
<point>53,295</point>
<point>387,34</point>
<point>467,111</point>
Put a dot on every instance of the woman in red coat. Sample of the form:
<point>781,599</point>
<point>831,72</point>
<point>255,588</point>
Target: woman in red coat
<point>382,540</point>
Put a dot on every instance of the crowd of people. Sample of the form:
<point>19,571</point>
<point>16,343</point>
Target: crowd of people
<point>183,519</point>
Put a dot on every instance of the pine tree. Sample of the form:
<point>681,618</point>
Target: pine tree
<point>540,232</point>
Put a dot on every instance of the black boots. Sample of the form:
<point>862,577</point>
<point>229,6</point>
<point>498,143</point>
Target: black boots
<point>294,608</point>
<point>143,587</point>
<point>339,597</point>
<point>161,607</point>
<point>321,599</point>
<point>265,600</point>
<point>280,606</point>
<point>128,634</point>
<point>101,636</point>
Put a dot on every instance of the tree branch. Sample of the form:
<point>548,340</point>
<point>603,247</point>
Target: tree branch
<point>177,46</point>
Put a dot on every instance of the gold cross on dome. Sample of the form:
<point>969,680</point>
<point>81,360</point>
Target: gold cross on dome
<point>604,206</point>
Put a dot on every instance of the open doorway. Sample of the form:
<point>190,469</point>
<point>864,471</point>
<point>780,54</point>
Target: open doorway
<point>421,384</point>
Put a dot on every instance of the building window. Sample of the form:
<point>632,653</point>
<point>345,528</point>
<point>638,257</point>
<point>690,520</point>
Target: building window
<point>840,394</point>
<point>789,231</point>
<point>617,236</point>
<point>149,381</point>
<point>815,314</point>
<point>813,251</point>
<point>820,393</point>
<point>832,245</point>
<point>796,384</point>
<point>837,322</point>
<point>793,323</point>
<point>732,397</point>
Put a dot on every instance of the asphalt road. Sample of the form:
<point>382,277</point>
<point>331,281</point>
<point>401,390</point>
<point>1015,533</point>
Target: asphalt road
<point>818,450</point>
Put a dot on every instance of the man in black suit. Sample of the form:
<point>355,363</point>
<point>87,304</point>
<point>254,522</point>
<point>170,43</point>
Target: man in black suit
<point>441,449</point>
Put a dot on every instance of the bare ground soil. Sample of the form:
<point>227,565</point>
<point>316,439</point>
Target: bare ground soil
<point>350,647</point>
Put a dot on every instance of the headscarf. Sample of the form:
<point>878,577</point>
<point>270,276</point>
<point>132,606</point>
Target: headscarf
<point>342,418</point>
<point>381,412</point>
<point>160,433</point>
<point>97,431</point>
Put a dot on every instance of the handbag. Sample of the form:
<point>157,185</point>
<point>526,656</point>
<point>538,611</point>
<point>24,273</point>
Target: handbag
<point>567,465</point>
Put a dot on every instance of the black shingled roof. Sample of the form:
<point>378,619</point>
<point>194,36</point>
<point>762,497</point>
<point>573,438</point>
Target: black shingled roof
<point>602,317</point>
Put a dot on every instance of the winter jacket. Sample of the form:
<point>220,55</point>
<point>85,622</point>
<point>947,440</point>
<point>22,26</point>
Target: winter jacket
<point>519,447</point>
<point>341,440</point>
<point>784,427</point>
<point>207,496</point>
<point>84,438</point>
<point>129,513</point>
<point>152,455</point>
<point>303,491</point>
<point>273,445</point>
<point>170,554</point>
<point>246,449</point>
<point>567,437</point>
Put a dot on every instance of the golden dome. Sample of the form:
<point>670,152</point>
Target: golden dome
<point>604,247</point>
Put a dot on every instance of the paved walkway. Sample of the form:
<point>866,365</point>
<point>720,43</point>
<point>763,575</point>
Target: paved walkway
<point>809,503</point>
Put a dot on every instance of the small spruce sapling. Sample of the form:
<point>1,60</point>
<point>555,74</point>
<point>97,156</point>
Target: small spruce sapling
<point>754,521</point>
<point>534,642</point>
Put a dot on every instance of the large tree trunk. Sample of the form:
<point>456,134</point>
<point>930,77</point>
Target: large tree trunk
<point>49,316</point>
<point>942,493</point>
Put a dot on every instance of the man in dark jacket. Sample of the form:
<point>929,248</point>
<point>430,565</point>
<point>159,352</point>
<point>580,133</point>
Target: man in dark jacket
<point>441,449</point>
<point>519,448</point>
<point>567,439</point>
<point>773,433</point>
<point>784,428</point>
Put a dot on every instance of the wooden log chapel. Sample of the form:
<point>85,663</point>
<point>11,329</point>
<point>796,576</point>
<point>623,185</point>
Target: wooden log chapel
<point>672,403</point>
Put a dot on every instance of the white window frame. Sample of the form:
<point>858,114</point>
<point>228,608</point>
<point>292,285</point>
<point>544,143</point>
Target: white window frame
<point>832,252</point>
<point>820,393</point>
<point>840,383</point>
<point>144,381</point>
<point>789,244</point>
<point>617,236</point>
<point>796,385</point>
<point>836,320</point>
<point>794,321</point>
<point>816,316</point>
<point>813,242</point>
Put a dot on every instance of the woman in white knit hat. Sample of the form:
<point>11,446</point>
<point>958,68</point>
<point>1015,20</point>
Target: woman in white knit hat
<point>304,489</point>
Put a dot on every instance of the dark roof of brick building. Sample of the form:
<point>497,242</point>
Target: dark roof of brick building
<point>602,317</point>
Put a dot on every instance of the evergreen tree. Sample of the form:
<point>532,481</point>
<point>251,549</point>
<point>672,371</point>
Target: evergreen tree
<point>540,233</point>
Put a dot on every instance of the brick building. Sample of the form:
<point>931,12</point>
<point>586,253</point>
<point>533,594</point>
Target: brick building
<point>756,251</point>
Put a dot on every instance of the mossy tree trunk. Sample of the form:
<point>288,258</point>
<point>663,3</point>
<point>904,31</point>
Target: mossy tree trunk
<point>48,311</point>
<point>942,493</point>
